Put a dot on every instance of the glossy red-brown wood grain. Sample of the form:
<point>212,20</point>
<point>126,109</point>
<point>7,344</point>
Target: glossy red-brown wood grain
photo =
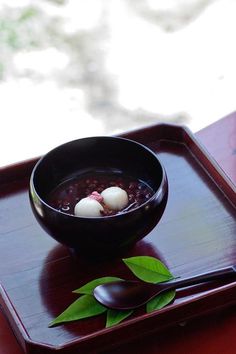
<point>220,140</point>
<point>195,234</point>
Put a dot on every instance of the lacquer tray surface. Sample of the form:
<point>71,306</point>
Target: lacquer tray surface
<point>197,233</point>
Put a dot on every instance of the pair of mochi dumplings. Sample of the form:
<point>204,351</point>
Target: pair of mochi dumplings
<point>115,198</point>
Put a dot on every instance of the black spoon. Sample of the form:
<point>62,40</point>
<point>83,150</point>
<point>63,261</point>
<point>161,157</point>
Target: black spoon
<point>126,295</point>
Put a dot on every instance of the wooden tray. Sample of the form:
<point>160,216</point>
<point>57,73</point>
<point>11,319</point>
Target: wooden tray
<point>197,233</point>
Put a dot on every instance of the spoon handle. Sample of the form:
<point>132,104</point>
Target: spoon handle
<point>218,274</point>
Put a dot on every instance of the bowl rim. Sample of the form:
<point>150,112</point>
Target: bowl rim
<point>156,194</point>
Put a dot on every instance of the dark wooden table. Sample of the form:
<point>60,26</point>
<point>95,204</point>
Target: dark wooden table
<point>212,334</point>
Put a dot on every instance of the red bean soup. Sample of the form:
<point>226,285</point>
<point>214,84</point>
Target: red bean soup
<point>65,196</point>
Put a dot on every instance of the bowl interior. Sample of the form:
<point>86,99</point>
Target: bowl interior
<point>96,155</point>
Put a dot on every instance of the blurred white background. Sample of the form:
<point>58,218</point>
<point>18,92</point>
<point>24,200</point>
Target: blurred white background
<point>73,68</point>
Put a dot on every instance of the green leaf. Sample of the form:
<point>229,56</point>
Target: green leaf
<point>85,306</point>
<point>160,301</point>
<point>114,317</point>
<point>89,287</point>
<point>148,269</point>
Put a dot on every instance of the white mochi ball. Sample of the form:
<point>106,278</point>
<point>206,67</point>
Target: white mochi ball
<point>88,207</point>
<point>115,198</point>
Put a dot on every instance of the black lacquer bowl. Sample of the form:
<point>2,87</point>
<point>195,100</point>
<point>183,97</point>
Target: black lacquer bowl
<point>107,234</point>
